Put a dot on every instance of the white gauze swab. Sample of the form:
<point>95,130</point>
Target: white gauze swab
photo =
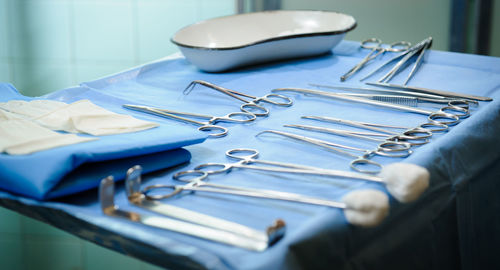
<point>366,208</point>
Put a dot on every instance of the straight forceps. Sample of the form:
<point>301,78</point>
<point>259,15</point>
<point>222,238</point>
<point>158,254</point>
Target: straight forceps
<point>235,117</point>
<point>414,136</point>
<point>408,98</point>
<point>375,45</point>
<point>443,114</point>
<point>384,145</point>
<point>358,160</point>
<point>195,183</point>
<point>249,106</point>
<point>246,157</point>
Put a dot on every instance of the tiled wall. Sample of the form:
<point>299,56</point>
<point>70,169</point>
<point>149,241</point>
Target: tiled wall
<point>47,45</point>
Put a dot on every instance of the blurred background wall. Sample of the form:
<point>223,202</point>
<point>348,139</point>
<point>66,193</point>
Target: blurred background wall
<point>46,45</point>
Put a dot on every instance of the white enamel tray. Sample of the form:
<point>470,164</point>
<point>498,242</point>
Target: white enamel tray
<point>224,43</point>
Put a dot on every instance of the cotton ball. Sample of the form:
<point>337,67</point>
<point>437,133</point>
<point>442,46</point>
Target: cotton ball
<point>405,181</point>
<point>366,208</point>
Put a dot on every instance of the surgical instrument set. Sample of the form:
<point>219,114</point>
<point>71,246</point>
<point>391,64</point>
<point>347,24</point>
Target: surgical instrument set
<point>404,192</point>
<point>377,49</point>
<point>234,117</point>
<point>108,206</point>
<point>249,106</point>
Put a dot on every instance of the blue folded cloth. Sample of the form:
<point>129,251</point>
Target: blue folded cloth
<point>74,168</point>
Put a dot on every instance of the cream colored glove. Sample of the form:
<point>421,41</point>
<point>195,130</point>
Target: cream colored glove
<point>81,116</point>
<point>20,136</point>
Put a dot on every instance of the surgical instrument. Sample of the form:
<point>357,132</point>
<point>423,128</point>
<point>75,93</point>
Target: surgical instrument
<point>355,163</point>
<point>404,192</point>
<point>136,197</point>
<point>405,56</point>
<point>410,135</point>
<point>384,145</point>
<point>432,116</point>
<point>249,106</point>
<point>376,47</point>
<point>233,117</point>
<point>108,206</point>
<point>372,209</point>
<point>402,97</point>
<point>431,91</point>
<point>418,62</point>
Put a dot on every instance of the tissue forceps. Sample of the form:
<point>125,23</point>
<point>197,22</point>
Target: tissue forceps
<point>402,97</point>
<point>410,135</point>
<point>204,126</point>
<point>377,49</point>
<point>432,116</point>
<point>251,157</point>
<point>384,145</point>
<point>249,106</point>
<point>354,164</point>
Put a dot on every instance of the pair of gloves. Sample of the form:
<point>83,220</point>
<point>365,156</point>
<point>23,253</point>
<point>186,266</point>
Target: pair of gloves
<point>31,126</point>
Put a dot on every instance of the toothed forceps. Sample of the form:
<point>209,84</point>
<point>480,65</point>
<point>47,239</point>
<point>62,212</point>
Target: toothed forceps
<point>249,106</point>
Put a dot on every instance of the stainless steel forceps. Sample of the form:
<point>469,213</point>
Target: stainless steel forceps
<point>249,106</point>
<point>195,182</point>
<point>384,145</point>
<point>414,136</point>
<point>246,157</point>
<point>377,49</point>
<point>354,164</point>
<point>446,117</point>
<point>234,117</point>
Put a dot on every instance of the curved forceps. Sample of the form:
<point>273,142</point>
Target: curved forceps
<point>358,160</point>
<point>197,184</point>
<point>375,45</point>
<point>249,106</point>
<point>450,118</point>
<point>204,126</point>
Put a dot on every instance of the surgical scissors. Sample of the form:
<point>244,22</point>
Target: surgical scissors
<point>377,49</point>
<point>432,116</point>
<point>204,126</point>
<point>249,106</point>
<point>354,164</point>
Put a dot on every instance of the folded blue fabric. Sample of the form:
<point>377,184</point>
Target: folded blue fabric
<point>74,168</point>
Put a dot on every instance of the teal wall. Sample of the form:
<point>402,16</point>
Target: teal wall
<point>46,45</point>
